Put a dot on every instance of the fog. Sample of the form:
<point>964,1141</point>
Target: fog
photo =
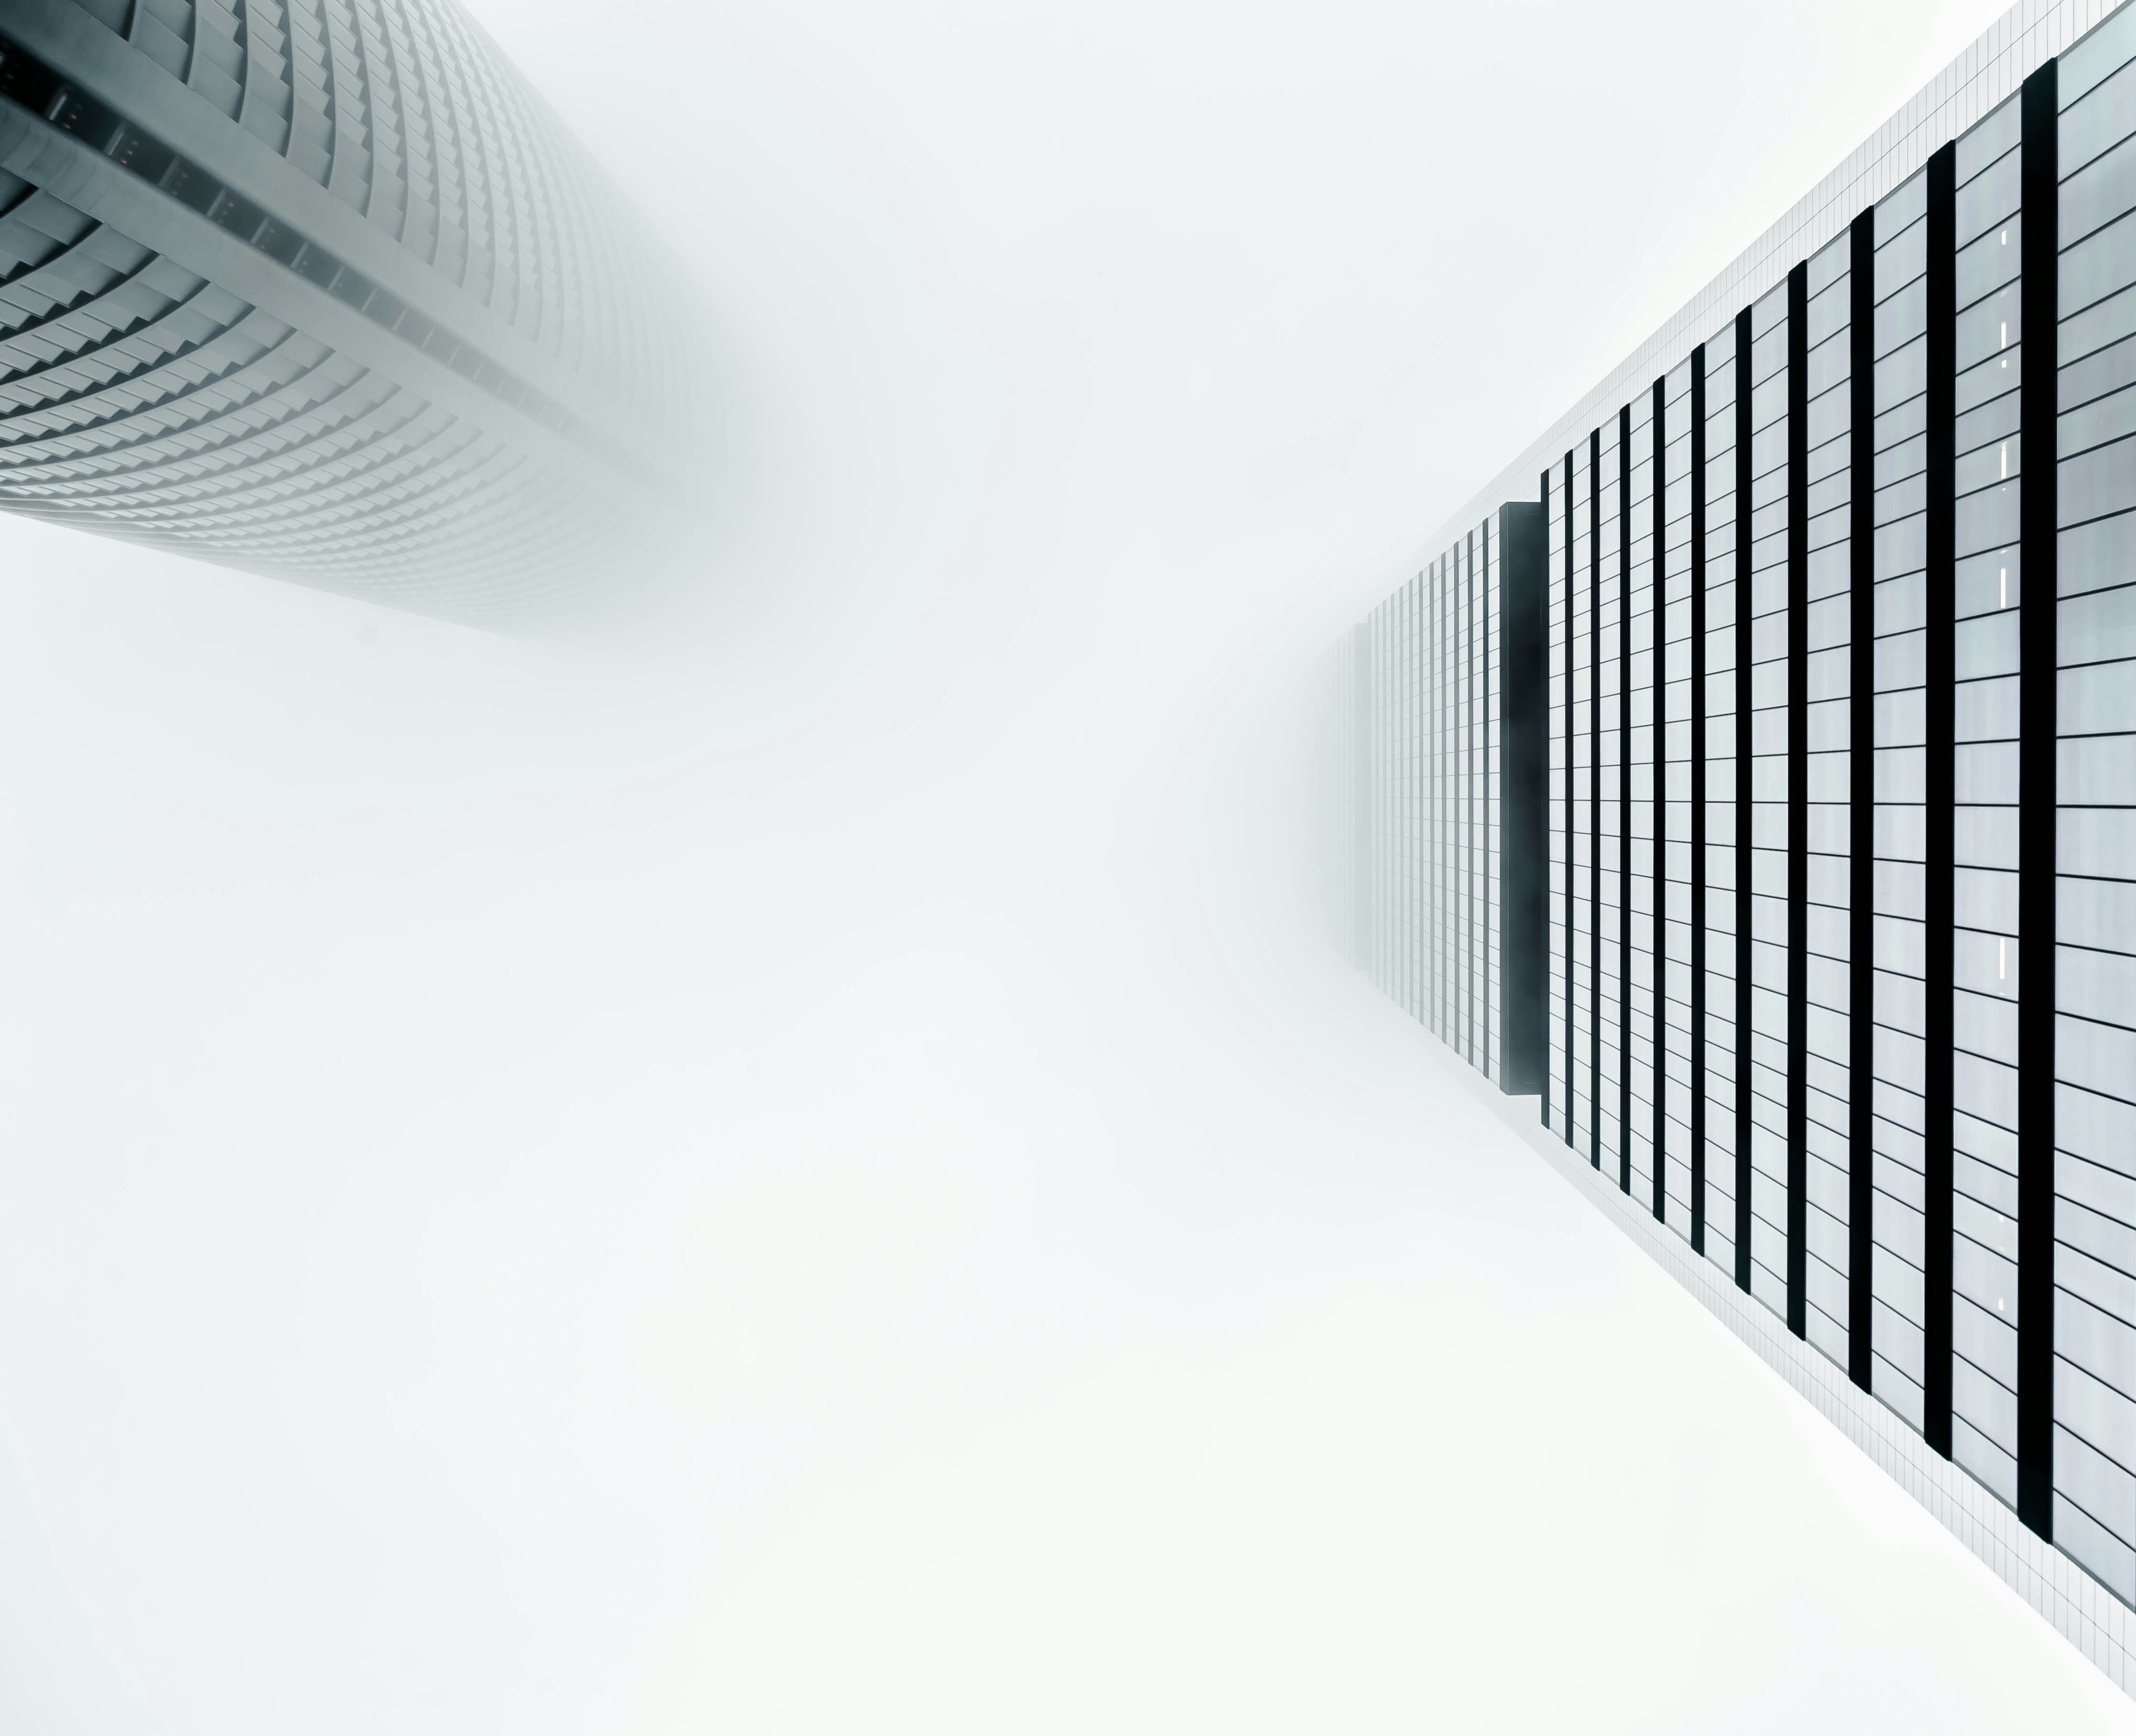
<point>805,1161</point>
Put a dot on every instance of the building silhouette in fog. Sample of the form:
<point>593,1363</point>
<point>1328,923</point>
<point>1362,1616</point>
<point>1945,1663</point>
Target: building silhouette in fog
<point>322,289</point>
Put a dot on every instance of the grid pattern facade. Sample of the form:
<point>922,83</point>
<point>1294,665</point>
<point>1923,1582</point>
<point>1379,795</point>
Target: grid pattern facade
<point>1841,739</point>
<point>1423,675</point>
<point>2095,1296</point>
<point>1722,1091</point>
<point>1673,745</point>
<point>1827,622</point>
<point>1899,840</point>
<point>322,290</point>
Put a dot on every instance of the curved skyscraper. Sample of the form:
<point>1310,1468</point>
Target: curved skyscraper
<point>322,290</point>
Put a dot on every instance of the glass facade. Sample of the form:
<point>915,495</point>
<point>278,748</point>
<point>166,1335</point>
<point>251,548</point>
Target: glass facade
<point>1898,934</point>
<point>1422,698</point>
<point>1837,706</point>
<point>2095,1033</point>
<point>1724,1086</point>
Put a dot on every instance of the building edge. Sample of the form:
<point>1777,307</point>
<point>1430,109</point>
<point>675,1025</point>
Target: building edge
<point>2074,1604</point>
<point>1991,70</point>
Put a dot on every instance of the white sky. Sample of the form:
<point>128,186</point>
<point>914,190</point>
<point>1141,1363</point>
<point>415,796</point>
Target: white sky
<point>805,1165</point>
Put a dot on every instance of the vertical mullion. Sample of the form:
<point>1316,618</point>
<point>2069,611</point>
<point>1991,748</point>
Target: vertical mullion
<point>1625,798</point>
<point>1743,841</point>
<point>1657,795</point>
<point>1940,794</point>
<point>1571,995</point>
<point>1594,797</point>
<point>2038,651</point>
<point>1862,793</point>
<point>1798,580</point>
<point>1696,573</point>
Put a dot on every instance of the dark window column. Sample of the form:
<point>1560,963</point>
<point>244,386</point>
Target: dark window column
<point>2038,724</point>
<point>1571,998</point>
<point>1798,1106</point>
<point>1625,798</point>
<point>1862,789</point>
<point>1939,794</point>
<point>1594,795</point>
<point>1697,577</point>
<point>1524,796</point>
<point>1657,779</point>
<point>1744,652</point>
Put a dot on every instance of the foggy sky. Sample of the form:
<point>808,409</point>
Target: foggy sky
<point>803,1163</point>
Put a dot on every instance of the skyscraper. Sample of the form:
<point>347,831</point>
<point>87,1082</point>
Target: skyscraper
<point>322,289</point>
<point>1834,976</point>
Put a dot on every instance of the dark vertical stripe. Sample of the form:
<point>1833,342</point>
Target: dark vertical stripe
<point>1798,796</point>
<point>1625,798</point>
<point>1744,651</point>
<point>1696,573</point>
<point>1523,628</point>
<point>1861,786</point>
<point>1657,777</point>
<point>1594,797</point>
<point>1569,998</point>
<point>1940,724</point>
<point>2037,504</point>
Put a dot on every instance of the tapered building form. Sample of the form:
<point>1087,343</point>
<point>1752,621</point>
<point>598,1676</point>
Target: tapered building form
<point>1830,994</point>
<point>322,289</point>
